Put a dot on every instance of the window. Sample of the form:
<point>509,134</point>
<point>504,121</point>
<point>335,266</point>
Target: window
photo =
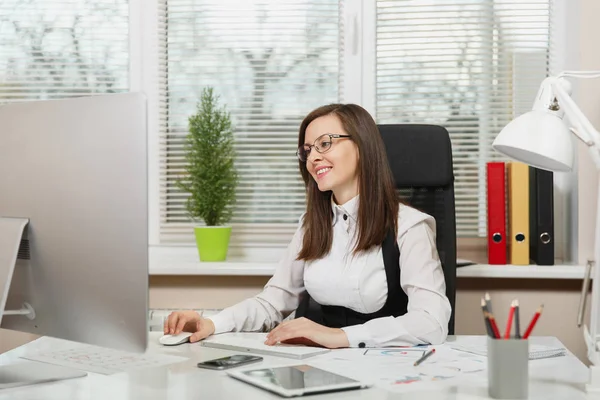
<point>271,62</point>
<point>469,65</point>
<point>62,48</point>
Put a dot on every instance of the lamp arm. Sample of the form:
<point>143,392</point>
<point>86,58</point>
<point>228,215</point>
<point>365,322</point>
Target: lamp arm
<point>591,136</point>
<point>592,337</point>
<point>584,127</point>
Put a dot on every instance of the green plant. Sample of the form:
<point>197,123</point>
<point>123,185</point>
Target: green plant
<point>211,177</point>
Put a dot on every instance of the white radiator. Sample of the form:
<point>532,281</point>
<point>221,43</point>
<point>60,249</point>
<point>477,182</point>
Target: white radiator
<point>156,319</point>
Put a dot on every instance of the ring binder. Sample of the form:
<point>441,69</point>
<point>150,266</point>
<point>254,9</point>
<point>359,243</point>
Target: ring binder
<point>541,215</point>
<point>496,213</point>
<point>518,212</point>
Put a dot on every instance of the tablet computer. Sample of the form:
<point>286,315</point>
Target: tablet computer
<point>297,380</point>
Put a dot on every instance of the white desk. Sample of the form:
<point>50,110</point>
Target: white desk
<point>555,378</point>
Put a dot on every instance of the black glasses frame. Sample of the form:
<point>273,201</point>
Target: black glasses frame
<point>303,157</point>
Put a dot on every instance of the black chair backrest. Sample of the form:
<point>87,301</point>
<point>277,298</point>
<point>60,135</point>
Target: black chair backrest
<point>420,157</point>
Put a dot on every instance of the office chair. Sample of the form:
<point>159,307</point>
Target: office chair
<point>420,157</point>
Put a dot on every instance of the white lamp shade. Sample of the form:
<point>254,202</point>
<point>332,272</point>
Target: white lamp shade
<point>538,138</point>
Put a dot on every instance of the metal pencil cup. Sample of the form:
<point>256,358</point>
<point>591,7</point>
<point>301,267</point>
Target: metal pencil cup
<point>508,368</point>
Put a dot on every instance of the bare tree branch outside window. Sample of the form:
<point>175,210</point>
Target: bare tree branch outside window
<point>51,50</point>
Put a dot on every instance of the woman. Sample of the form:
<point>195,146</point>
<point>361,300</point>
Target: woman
<point>336,254</point>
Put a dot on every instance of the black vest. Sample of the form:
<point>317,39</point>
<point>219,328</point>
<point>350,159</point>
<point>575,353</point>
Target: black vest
<point>339,317</point>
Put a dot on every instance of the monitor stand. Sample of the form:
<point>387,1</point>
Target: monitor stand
<point>12,233</point>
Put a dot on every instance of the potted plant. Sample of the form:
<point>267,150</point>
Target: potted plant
<point>211,177</point>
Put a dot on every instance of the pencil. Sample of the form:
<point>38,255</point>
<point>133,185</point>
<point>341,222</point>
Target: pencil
<point>486,320</point>
<point>488,302</point>
<point>424,357</point>
<point>494,326</point>
<point>533,322</point>
<point>517,321</point>
<point>511,314</point>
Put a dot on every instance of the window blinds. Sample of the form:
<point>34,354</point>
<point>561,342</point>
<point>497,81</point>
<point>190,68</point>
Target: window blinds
<point>271,62</point>
<point>469,65</point>
<point>53,49</point>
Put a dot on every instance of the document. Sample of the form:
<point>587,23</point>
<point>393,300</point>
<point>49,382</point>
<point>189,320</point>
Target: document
<point>393,369</point>
<point>536,352</point>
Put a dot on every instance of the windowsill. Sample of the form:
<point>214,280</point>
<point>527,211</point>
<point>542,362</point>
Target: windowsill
<point>184,261</point>
<point>559,271</point>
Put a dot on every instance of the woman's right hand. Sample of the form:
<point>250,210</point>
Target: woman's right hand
<point>189,321</point>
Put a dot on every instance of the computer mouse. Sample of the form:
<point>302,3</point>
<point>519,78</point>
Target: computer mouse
<point>173,340</point>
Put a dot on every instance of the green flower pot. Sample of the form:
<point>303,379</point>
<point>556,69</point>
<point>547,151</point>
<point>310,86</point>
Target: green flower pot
<point>212,242</point>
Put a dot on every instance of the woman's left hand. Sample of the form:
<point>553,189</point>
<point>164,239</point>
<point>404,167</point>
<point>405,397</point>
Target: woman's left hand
<point>305,331</point>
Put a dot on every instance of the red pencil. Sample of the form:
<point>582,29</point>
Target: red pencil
<point>494,326</point>
<point>533,321</point>
<point>511,313</point>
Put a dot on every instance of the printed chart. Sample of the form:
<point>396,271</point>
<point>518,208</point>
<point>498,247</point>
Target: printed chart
<point>393,369</point>
<point>409,354</point>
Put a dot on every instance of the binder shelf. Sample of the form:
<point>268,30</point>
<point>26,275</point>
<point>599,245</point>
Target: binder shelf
<point>522,271</point>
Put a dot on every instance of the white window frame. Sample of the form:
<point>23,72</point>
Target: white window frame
<point>143,34</point>
<point>358,83</point>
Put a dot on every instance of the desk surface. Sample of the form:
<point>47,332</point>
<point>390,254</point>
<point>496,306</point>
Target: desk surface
<point>554,378</point>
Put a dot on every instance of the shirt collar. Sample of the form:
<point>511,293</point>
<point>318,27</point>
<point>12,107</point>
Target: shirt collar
<point>349,208</point>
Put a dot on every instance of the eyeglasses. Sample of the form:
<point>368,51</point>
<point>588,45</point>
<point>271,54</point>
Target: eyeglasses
<point>323,144</point>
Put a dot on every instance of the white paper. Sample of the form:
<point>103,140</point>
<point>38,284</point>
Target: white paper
<point>103,361</point>
<point>397,355</point>
<point>536,352</point>
<point>394,370</point>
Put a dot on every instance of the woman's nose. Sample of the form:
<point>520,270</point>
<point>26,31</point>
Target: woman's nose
<point>314,156</point>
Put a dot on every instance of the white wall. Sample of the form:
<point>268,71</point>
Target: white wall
<point>588,98</point>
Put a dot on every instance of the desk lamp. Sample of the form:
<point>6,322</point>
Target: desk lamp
<point>541,139</point>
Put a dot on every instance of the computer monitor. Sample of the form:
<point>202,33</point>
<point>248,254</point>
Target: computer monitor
<point>75,172</point>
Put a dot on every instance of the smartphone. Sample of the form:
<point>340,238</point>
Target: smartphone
<point>229,362</point>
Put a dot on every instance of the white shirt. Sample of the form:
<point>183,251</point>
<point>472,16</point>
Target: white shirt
<point>357,282</point>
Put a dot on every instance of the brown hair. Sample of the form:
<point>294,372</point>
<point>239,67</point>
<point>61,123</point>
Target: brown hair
<point>378,205</point>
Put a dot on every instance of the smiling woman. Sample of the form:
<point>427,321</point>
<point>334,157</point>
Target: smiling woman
<point>359,253</point>
<point>342,181</point>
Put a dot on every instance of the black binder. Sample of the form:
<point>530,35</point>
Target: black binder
<point>541,216</point>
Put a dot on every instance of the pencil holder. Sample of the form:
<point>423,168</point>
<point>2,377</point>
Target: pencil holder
<point>508,368</point>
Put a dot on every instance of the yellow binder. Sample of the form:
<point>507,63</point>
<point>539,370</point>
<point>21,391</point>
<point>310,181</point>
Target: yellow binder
<point>518,212</point>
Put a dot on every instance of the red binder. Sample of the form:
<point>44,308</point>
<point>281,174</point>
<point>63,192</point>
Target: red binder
<point>496,212</point>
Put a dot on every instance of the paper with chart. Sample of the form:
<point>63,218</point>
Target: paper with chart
<point>393,369</point>
<point>536,351</point>
<point>255,343</point>
<point>103,361</point>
